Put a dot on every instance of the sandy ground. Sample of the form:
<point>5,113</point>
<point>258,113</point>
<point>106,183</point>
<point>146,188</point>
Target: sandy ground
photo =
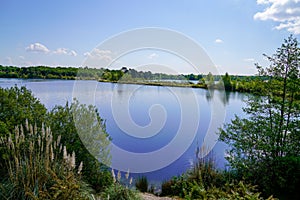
<point>147,196</point>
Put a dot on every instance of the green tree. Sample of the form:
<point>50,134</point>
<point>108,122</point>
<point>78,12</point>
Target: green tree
<point>209,80</point>
<point>83,131</point>
<point>18,105</point>
<point>227,82</point>
<point>264,147</point>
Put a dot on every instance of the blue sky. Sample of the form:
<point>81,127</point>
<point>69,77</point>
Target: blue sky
<point>234,33</point>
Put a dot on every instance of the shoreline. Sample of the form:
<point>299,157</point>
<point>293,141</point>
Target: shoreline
<point>166,83</point>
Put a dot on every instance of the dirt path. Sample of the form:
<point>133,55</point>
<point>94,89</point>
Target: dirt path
<point>147,196</point>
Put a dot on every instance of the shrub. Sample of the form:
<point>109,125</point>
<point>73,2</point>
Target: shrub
<point>117,191</point>
<point>142,184</point>
<point>204,181</point>
<point>120,189</point>
<point>83,131</point>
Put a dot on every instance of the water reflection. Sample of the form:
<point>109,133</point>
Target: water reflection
<point>221,94</point>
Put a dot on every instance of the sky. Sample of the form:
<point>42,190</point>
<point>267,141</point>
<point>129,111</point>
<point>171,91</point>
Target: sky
<point>234,34</point>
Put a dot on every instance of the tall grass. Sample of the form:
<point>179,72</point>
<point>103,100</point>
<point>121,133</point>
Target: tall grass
<point>120,189</point>
<point>39,167</point>
<point>142,184</point>
<point>204,181</point>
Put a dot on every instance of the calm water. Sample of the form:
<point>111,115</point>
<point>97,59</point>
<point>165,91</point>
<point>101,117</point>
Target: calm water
<point>146,121</point>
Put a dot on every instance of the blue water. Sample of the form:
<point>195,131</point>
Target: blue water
<point>136,104</point>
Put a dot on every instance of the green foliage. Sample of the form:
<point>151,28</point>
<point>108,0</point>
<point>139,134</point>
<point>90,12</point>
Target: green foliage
<point>117,191</point>
<point>17,105</point>
<point>209,80</point>
<point>120,188</point>
<point>39,167</point>
<point>185,188</point>
<point>83,131</point>
<point>204,181</point>
<point>142,184</point>
<point>265,145</point>
<point>124,75</point>
<point>38,72</point>
<point>238,191</point>
<point>227,82</point>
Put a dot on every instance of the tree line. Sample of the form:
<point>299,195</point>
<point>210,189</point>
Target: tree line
<point>126,75</point>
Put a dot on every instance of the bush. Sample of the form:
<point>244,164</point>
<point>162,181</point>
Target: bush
<point>282,172</point>
<point>142,184</point>
<point>83,131</point>
<point>194,190</point>
<point>119,192</point>
<point>204,181</point>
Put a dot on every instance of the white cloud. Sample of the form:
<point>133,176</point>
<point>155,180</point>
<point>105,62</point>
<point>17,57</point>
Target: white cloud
<point>249,60</point>
<point>73,53</point>
<point>61,51</point>
<point>152,56</point>
<point>284,12</point>
<point>40,48</point>
<point>37,47</point>
<point>262,1</point>
<point>218,41</point>
<point>65,51</point>
<point>105,55</point>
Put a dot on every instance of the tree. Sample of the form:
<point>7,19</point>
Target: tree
<point>83,131</point>
<point>18,105</point>
<point>209,80</point>
<point>227,82</point>
<point>264,147</point>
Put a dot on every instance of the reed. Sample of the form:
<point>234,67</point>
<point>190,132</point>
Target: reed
<point>40,167</point>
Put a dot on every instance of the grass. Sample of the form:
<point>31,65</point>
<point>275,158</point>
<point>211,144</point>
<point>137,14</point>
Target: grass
<point>39,167</point>
<point>204,181</point>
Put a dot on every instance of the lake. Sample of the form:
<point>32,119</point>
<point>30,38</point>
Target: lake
<point>155,130</point>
